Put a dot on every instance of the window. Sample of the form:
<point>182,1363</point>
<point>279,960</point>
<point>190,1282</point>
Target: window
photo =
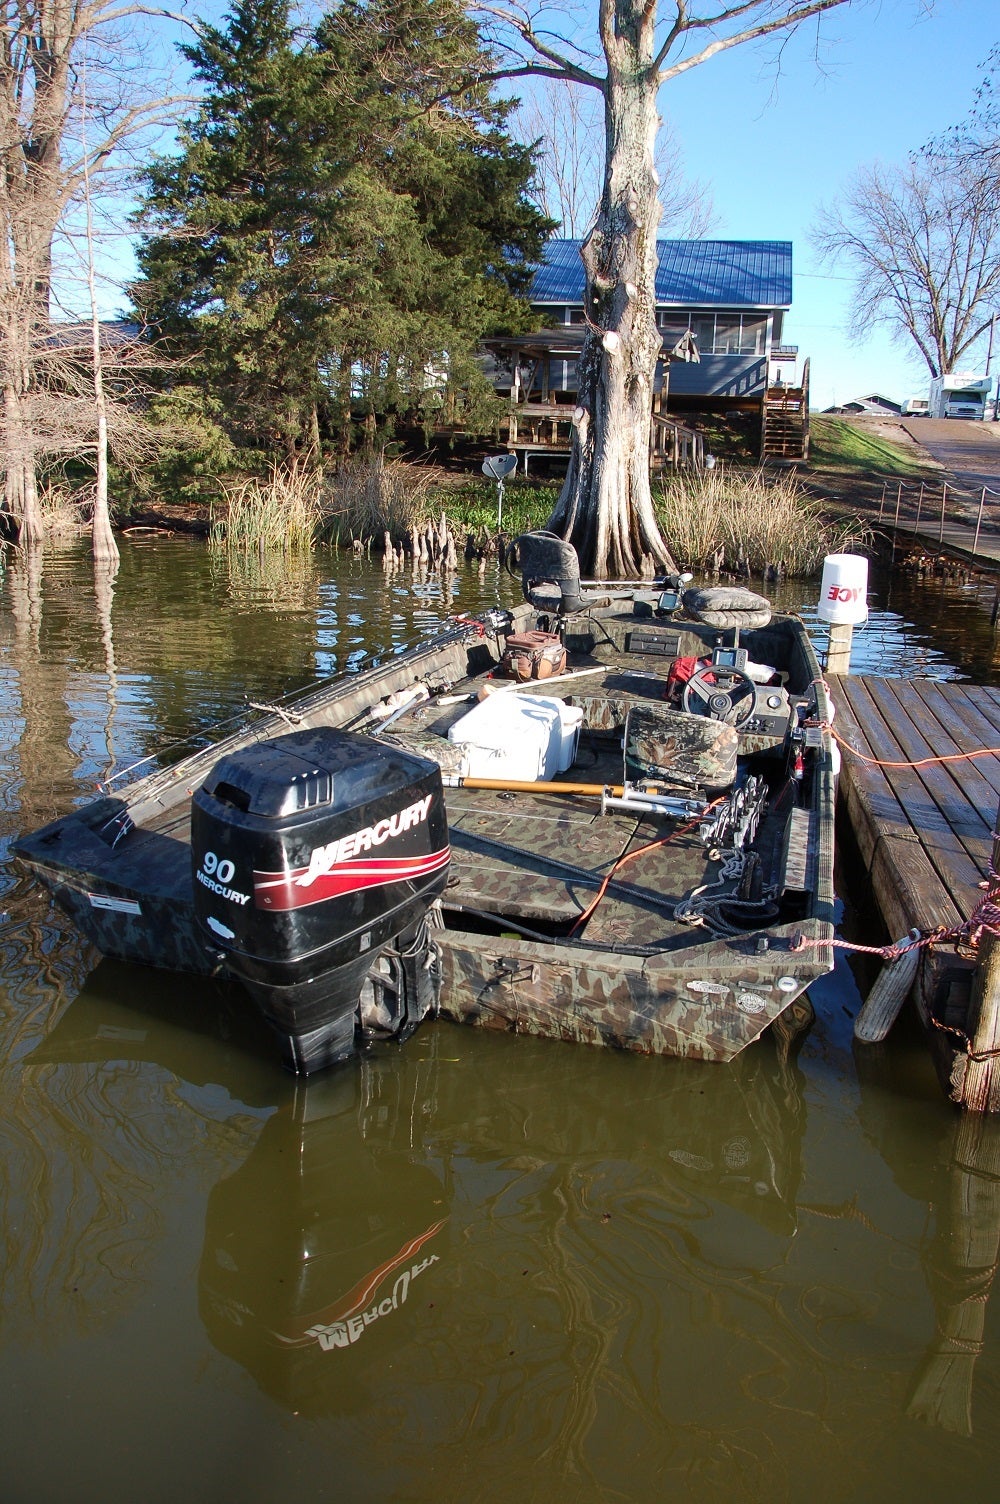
<point>727,334</point>
<point>753,335</point>
<point>718,333</point>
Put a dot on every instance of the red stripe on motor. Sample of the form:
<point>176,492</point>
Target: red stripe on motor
<point>283,891</point>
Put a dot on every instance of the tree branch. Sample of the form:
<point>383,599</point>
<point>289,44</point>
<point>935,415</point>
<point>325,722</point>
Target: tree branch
<point>560,61</point>
<point>792,18</point>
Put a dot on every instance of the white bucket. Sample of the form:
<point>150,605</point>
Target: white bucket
<point>843,594</point>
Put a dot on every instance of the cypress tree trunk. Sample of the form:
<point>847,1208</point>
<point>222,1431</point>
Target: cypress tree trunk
<point>105,549</point>
<point>20,488</point>
<point>605,508</point>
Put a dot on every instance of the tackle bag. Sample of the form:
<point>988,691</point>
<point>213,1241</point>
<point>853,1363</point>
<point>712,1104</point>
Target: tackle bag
<point>532,655</point>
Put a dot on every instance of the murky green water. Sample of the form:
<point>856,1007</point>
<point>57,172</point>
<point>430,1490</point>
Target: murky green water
<point>476,1268</point>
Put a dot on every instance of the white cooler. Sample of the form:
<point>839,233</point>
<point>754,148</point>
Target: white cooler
<point>522,738</point>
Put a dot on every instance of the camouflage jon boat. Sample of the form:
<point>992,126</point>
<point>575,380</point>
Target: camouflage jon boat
<point>636,850</point>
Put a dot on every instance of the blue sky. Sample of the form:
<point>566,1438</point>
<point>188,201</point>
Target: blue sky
<point>773,149</point>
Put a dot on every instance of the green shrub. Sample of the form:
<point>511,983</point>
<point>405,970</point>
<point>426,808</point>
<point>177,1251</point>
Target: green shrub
<point>472,506</point>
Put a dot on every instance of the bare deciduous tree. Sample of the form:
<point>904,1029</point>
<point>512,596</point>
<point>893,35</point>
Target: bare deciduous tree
<point>605,508</point>
<point>977,139</point>
<point>923,242</point>
<point>92,384</point>
<point>566,122</point>
<point>47,50</point>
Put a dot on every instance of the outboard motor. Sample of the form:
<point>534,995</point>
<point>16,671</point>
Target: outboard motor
<point>313,853</point>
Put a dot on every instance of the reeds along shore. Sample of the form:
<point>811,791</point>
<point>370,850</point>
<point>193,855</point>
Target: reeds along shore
<point>732,519</point>
<point>751,522</point>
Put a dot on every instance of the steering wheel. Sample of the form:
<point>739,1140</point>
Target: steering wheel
<point>721,694</point>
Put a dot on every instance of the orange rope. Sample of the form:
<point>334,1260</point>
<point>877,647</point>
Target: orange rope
<point>922,762</point>
<point>629,856</point>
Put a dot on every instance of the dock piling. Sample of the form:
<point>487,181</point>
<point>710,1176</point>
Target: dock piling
<point>980,1085</point>
<point>838,648</point>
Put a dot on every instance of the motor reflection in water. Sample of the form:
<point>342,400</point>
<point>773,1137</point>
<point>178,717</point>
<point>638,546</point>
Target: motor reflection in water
<point>375,1196</point>
<point>319,1241</point>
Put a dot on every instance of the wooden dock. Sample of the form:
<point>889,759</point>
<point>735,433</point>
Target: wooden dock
<point>926,836</point>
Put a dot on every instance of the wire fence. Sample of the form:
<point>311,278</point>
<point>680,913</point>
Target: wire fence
<point>907,505</point>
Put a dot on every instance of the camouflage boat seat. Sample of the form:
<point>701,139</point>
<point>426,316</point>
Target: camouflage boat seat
<point>726,607</point>
<point>550,575</point>
<point>686,752</point>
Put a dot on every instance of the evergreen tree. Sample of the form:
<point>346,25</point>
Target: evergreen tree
<point>346,217</point>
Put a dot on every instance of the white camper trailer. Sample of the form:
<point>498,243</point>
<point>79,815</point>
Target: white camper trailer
<point>960,395</point>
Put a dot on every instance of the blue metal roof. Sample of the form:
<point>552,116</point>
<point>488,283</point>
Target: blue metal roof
<point>691,273</point>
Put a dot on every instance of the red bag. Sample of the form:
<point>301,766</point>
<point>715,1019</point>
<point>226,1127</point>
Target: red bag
<point>532,655</point>
<point>681,670</point>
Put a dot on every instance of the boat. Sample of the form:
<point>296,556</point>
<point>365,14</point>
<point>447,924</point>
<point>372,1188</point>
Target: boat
<point>603,816</point>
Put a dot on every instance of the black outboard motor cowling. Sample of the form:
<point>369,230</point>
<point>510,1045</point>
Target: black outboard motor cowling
<point>312,852</point>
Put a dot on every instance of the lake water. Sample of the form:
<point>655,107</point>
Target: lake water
<point>476,1268</point>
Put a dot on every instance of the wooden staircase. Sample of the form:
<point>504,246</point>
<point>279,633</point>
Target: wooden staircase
<point>784,432</point>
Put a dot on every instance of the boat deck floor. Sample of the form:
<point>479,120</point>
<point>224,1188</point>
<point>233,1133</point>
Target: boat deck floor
<point>540,858</point>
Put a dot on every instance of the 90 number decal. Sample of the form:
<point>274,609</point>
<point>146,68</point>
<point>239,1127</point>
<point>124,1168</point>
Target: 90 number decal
<point>224,871</point>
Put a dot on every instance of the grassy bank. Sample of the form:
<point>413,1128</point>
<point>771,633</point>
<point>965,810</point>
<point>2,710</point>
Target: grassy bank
<point>365,501</point>
<point>850,450</point>
<point>750,522</point>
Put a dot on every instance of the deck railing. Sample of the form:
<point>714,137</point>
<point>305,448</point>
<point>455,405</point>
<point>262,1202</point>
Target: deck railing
<point>676,446</point>
<point>547,428</point>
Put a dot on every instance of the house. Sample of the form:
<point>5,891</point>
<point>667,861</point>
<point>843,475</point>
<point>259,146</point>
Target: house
<point>873,405</point>
<point>727,297</point>
<point>720,307</point>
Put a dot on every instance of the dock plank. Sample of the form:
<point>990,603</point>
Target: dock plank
<point>950,790</point>
<point>989,693</point>
<point>885,811</point>
<point>908,887</point>
<point>988,707</point>
<point>920,808</point>
<point>968,728</point>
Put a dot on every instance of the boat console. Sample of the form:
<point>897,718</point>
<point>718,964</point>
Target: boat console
<point>728,688</point>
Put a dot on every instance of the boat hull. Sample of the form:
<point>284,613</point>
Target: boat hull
<point>708,1004</point>
<point>536,932</point>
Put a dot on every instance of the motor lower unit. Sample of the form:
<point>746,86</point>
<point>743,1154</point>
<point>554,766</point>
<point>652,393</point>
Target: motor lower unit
<point>316,858</point>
